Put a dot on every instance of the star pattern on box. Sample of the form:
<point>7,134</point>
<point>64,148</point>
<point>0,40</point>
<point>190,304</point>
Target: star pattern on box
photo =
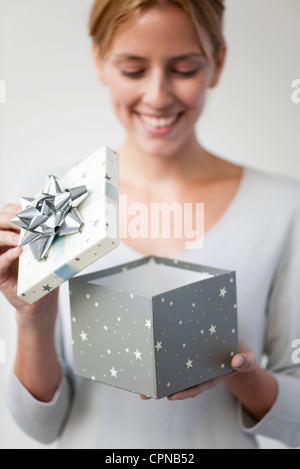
<point>189,342</point>
<point>93,227</point>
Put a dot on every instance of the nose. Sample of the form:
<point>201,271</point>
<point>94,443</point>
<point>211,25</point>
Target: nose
<point>158,93</point>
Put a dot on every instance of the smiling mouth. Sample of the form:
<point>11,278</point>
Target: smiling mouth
<point>160,122</point>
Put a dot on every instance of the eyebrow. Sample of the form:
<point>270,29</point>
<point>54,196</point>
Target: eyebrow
<point>177,58</point>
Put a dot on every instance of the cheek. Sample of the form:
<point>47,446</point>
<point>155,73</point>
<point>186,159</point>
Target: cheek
<point>123,94</point>
<point>193,93</point>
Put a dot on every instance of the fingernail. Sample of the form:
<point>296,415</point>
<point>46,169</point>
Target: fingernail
<point>240,362</point>
<point>14,251</point>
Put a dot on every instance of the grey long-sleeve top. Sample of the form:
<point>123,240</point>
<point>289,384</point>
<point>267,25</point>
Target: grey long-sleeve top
<point>259,237</point>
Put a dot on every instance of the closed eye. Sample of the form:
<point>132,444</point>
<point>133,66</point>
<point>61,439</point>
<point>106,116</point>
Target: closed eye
<point>140,73</point>
<point>135,74</point>
<point>186,73</point>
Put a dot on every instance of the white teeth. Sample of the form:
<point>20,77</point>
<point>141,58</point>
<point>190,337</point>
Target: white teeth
<point>159,122</point>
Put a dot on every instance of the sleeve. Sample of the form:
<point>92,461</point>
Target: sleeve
<point>282,333</point>
<point>41,421</point>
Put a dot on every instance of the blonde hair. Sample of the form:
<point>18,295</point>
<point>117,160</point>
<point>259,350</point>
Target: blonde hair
<point>107,16</point>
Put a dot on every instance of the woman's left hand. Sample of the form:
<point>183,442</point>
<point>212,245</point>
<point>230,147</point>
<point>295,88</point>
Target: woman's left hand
<point>254,387</point>
<point>243,362</point>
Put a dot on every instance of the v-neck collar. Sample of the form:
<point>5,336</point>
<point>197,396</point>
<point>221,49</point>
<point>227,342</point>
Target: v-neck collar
<point>227,214</point>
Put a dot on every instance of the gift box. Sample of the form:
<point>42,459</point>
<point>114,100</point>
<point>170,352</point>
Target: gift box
<point>154,326</point>
<point>97,219</point>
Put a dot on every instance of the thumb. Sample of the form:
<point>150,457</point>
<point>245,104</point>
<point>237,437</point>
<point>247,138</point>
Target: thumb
<point>244,362</point>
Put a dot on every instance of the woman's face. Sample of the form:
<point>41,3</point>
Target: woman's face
<point>158,77</point>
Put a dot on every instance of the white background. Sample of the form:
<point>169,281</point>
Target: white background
<point>56,113</point>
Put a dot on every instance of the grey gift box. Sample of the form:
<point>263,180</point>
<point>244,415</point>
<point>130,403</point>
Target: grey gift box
<point>154,326</point>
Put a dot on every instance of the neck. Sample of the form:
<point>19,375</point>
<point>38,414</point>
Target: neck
<point>147,168</point>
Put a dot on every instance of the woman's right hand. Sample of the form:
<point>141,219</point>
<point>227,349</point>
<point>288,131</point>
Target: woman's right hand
<point>9,254</point>
<point>9,259</point>
<point>36,365</point>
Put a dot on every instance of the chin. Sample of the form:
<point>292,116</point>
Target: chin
<point>161,149</point>
<point>161,153</point>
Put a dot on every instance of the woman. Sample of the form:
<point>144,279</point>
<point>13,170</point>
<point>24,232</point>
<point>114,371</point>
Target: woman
<point>159,58</point>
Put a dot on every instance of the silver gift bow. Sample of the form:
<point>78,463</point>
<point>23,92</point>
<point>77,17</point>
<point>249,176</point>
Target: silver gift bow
<point>50,214</point>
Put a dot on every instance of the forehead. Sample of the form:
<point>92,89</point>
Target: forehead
<point>157,32</point>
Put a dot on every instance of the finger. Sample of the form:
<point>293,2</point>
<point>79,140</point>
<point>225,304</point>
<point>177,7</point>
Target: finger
<point>6,223</point>
<point>145,398</point>
<point>11,208</point>
<point>244,348</point>
<point>196,390</point>
<point>9,238</point>
<point>6,261</point>
<point>244,362</point>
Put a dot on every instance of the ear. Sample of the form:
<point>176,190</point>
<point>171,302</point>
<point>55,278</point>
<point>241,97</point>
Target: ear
<point>98,61</point>
<point>219,66</point>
